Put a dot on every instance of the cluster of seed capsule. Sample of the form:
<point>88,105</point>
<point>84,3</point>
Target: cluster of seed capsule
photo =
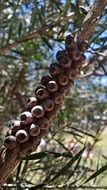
<point>34,122</point>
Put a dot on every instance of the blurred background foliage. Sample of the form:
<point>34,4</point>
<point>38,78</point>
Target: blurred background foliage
<point>31,32</point>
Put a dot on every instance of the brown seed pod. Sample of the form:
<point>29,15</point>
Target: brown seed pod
<point>37,111</point>
<point>57,97</point>
<point>75,55</point>
<point>43,133</point>
<point>62,80</point>
<point>32,101</point>
<point>64,90</point>
<point>8,133</point>
<point>70,43</point>
<point>75,66</point>
<point>55,69</point>
<point>31,145</point>
<point>34,130</point>
<point>83,45</point>
<point>60,54</point>
<point>26,118</point>
<point>52,86</point>
<point>48,105</point>
<point>72,74</point>
<point>52,114</point>
<point>27,147</point>
<point>15,126</point>
<point>10,142</point>
<point>65,62</point>
<point>43,123</point>
<point>42,93</point>
<point>39,87</point>
<point>22,136</point>
<point>45,79</point>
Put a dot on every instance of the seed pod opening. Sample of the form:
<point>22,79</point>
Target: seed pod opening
<point>42,93</point>
<point>65,62</point>
<point>45,79</point>
<point>62,80</point>
<point>48,105</point>
<point>52,86</point>
<point>72,74</point>
<point>43,123</point>
<point>34,130</point>
<point>10,142</point>
<point>39,87</point>
<point>32,101</point>
<point>70,43</point>
<point>55,69</point>
<point>22,136</point>
<point>60,54</point>
<point>75,55</point>
<point>57,97</point>
<point>37,111</point>
<point>15,126</point>
<point>26,118</point>
<point>64,90</point>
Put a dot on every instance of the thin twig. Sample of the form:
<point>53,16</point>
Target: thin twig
<point>59,186</point>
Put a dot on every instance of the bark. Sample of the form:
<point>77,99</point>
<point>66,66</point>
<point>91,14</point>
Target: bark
<point>10,159</point>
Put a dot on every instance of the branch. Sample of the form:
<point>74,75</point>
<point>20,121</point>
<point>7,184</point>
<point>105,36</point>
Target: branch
<point>44,30</point>
<point>75,187</point>
<point>10,186</point>
<point>90,20</point>
<point>10,159</point>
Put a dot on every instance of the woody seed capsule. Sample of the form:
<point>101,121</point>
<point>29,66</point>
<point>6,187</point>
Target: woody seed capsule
<point>52,86</point>
<point>48,105</point>
<point>65,62</point>
<point>57,97</point>
<point>75,55</point>
<point>42,93</point>
<point>64,90</point>
<point>70,43</point>
<point>34,130</point>
<point>8,133</point>
<point>62,80</point>
<point>26,147</point>
<point>39,87</point>
<point>26,118</point>
<point>60,54</point>
<point>43,123</point>
<point>32,101</point>
<point>37,111</point>
<point>10,142</point>
<point>45,79</point>
<point>55,69</point>
<point>22,136</point>
<point>15,126</point>
<point>52,114</point>
<point>42,134</point>
<point>71,74</point>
